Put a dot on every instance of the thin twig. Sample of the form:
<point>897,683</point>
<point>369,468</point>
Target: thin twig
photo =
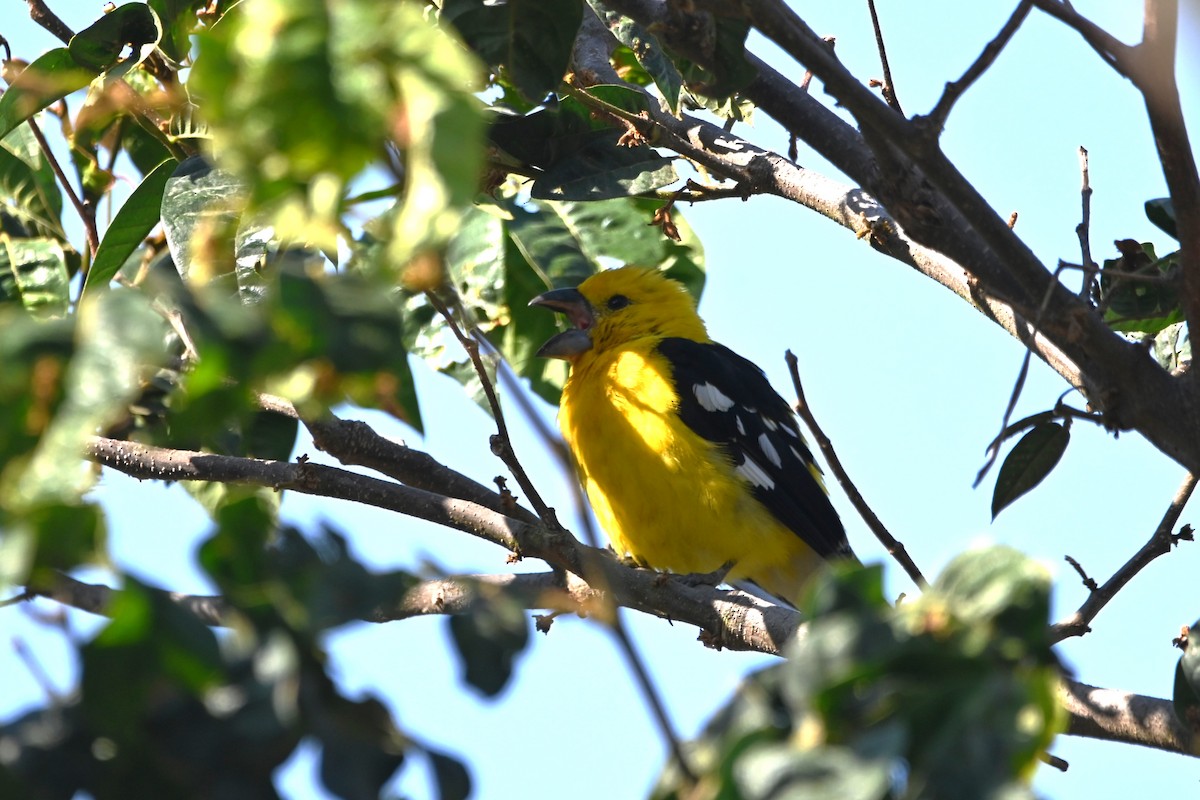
<point>1083,229</point>
<point>1028,338</point>
<point>354,442</point>
<point>936,119</point>
<point>894,547</point>
<point>40,676</point>
<point>888,88</point>
<point>501,443</point>
<point>1160,543</point>
<point>82,208</point>
<point>597,576</point>
<point>1088,581</point>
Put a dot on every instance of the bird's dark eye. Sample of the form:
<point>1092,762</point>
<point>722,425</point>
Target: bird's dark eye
<point>617,301</point>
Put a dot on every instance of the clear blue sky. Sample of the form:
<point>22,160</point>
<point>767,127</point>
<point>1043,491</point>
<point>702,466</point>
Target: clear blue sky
<point>908,381</point>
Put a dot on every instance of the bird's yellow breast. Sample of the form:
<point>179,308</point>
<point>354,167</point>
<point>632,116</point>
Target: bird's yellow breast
<point>666,496</point>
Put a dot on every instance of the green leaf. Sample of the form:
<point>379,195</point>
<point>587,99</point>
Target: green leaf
<point>601,169</point>
<point>201,206</point>
<point>51,77</point>
<point>136,218</point>
<point>28,188</point>
<point>530,39</point>
<point>488,641</point>
<point>1161,211</point>
<point>178,18</point>
<point>648,51</point>
<point>360,747</point>
<point>998,587</point>
<point>120,338</point>
<point>1029,462</point>
<point>99,46</point>
<point>35,271</point>
<point>1138,289</point>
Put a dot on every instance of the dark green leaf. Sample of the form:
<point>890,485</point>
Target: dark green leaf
<point>600,169</point>
<point>99,46</point>
<point>361,748</point>
<point>450,776</point>
<point>530,39</point>
<point>178,18</point>
<point>52,76</point>
<point>1161,211</point>
<point>1139,290</point>
<point>1030,461</point>
<point>66,536</point>
<point>488,641</point>
<point>132,223</point>
<point>649,53</point>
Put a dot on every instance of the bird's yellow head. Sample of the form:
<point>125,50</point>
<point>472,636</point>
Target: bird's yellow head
<point>618,306</point>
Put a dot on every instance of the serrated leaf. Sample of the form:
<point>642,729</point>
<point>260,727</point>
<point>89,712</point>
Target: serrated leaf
<point>530,39</point>
<point>1029,462</point>
<point>137,217</point>
<point>601,169</point>
<point>51,77</point>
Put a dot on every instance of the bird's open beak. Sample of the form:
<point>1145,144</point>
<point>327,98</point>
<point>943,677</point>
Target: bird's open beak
<point>575,342</point>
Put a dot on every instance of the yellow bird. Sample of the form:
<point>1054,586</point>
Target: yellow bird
<point>689,458</point>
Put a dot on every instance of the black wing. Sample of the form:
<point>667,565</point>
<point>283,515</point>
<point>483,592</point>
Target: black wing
<point>728,400</point>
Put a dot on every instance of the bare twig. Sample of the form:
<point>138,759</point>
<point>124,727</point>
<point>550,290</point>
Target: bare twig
<point>1150,65</point>
<point>1083,229</point>
<point>936,119</point>
<point>37,671</point>
<point>501,443</point>
<point>1160,543</point>
<point>354,442</point>
<point>1088,581</point>
<point>888,88</point>
<point>894,547</point>
<point>84,210</point>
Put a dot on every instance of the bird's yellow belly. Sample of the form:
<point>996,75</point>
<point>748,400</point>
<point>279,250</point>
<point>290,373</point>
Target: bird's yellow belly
<point>666,496</point>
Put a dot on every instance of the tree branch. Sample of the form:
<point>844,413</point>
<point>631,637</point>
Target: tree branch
<point>1118,716</point>
<point>354,442</point>
<point>955,89</point>
<point>1159,544</point>
<point>749,624</point>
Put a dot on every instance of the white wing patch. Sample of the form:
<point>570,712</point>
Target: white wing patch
<point>751,471</point>
<point>711,398</point>
<point>769,450</point>
<point>740,427</point>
